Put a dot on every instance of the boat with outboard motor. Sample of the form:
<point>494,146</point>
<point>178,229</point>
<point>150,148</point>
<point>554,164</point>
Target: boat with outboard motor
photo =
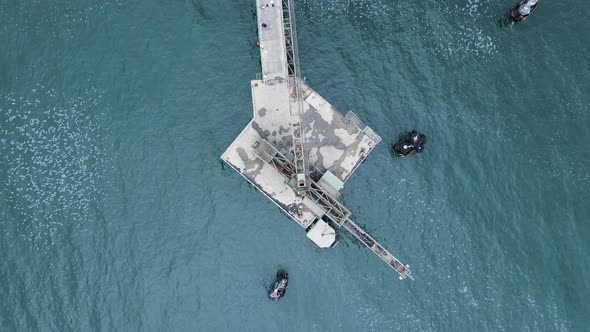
<point>279,288</point>
<point>409,143</point>
<point>523,10</point>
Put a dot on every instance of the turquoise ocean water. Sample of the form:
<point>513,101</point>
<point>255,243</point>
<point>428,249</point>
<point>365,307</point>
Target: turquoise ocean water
<point>116,213</point>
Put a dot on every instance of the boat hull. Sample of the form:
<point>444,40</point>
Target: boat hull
<point>515,14</point>
<point>279,287</point>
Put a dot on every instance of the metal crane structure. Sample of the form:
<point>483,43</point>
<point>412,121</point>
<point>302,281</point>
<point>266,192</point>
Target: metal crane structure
<point>296,104</point>
<point>333,209</point>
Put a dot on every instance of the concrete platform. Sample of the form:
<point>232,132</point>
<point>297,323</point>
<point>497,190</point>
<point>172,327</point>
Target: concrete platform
<point>290,116</point>
<point>335,143</point>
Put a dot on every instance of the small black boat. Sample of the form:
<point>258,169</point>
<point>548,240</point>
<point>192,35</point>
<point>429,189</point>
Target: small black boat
<point>280,285</point>
<point>409,143</point>
<point>527,6</point>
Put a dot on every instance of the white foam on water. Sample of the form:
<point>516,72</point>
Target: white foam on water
<point>61,20</point>
<point>425,20</point>
<point>471,39</point>
<point>329,9</point>
<point>52,159</point>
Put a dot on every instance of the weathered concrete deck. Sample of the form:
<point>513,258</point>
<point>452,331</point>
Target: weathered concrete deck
<point>335,144</point>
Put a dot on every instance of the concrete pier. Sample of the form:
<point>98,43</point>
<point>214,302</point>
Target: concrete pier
<point>295,132</point>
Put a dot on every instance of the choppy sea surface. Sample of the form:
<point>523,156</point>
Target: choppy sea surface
<point>116,213</point>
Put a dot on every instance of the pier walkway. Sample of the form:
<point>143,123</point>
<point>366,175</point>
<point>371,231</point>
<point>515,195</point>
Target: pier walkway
<point>271,40</point>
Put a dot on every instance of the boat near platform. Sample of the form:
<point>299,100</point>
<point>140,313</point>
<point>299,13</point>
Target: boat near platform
<point>515,14</point>
<point>279,288</point>
<point>409,143</point>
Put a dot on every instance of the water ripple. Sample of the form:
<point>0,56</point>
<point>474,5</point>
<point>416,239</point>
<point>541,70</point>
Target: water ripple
<point>51,161</point>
